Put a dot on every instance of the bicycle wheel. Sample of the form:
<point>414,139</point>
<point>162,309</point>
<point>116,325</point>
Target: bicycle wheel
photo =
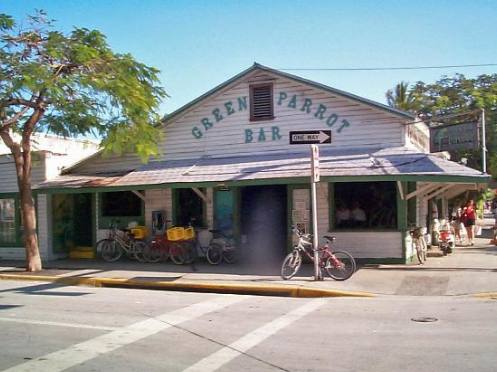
<point>99,245</point>
<point>291,265</point>
<point>420,246</point>
<point>229,255</point>
<point>153,251</point>
<point>176,253</point>
<point>214,254</point>
<point>138,250</point>
<point>340,266</point>
<point>111,250</point>
<point>188,252</point>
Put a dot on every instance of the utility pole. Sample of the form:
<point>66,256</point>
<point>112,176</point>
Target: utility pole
<point>484,141</point>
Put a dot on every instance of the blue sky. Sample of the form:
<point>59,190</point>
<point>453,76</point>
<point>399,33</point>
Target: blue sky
<point>199,44</point>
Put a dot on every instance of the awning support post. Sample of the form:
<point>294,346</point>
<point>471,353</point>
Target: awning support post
<point>200,194</point>
<point>401,190</point>
<point>139,194</point>
<point>427,188</point>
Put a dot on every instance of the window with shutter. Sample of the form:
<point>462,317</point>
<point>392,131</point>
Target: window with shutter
<point>261,102</point>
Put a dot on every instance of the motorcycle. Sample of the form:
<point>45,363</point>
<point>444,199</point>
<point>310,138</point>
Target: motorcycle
<point>446,239</point>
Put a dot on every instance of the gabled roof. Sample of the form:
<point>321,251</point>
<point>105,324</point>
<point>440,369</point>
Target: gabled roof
<point>257,66</point>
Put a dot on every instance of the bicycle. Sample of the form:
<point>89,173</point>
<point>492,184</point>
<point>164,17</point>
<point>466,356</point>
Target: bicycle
<point>221,248</point>
<point>339,265</point>
<point>419,243</point>
<point>119,242</point>
<point>159,247</point>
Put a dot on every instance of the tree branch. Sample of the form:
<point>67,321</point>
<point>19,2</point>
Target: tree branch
<point>19,102</point>
<point>15,118</point>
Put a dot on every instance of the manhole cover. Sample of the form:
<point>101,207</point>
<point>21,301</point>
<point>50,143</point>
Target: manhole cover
<point>424,319</point>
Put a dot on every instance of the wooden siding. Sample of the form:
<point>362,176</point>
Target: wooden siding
<point>370,244</point>
<point>369,126</point>
<point>323,209</point>
<point>8,175</point>
<point>158,200</point>
<point>42,216</point>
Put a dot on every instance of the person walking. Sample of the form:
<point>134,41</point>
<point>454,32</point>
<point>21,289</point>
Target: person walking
<point>469,220</point>
<point>456,222</point>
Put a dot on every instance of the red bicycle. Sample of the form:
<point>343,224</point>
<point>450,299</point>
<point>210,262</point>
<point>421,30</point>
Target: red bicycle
<point>339,265</point>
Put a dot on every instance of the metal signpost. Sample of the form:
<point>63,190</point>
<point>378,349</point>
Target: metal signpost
<point>313,138</point>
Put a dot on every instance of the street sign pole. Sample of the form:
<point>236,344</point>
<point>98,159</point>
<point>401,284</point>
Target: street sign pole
<point>314,180</point>
<point>313,138</point>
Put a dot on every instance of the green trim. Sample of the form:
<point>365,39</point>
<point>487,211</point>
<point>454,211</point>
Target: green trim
<point>289,208</point>
<point>401,209</point>
<point>380,261</point>
<point>94,223</point>
<point>402,217</point>
<point>175,207</point>
<point>18,243</point>
<point>298,79</point>
<point>237,203</point>
<point>331,206</point>
<point>9,195</point>
<point>411,204</point>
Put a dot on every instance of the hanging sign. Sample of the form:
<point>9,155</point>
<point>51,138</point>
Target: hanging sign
<point>454,137</point>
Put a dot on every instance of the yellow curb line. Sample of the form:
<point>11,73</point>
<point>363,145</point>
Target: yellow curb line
<point>234,288</point>
<point>487,295</point>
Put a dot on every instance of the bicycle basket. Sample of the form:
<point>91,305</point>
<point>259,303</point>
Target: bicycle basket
<point>189,233</point>
<point>139,232</point>
<point>176,233</point>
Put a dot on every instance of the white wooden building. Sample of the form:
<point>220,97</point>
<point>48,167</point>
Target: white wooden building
<point>50,155</point>
<point>226,162</point>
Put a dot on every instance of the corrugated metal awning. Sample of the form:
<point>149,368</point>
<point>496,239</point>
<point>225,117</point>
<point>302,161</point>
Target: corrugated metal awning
<point>390,163</point>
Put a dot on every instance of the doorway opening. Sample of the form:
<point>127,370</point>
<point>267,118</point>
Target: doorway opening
<point>72,222</point>
<point>264,224</point>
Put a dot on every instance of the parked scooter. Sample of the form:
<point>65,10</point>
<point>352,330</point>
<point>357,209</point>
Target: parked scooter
<point>446,238</point>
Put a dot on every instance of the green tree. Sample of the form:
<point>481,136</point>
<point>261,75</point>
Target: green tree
<point>401,98</point>
<point>72,85</point>
<point>460,95</point>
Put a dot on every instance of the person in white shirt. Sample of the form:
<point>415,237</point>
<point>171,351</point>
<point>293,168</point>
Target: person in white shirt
<point>342,216</point>
<point>357,215</point>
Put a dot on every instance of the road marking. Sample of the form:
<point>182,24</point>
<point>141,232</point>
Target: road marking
<point>58,324</point>
<point>79,353</point>
<point>230,352</point>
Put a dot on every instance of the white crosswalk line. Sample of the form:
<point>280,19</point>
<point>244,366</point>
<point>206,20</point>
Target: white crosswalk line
<point>79,353</point>
<point>228,353</point>
<point>57,324</point>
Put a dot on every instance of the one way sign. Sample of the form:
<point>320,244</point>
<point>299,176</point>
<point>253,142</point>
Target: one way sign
<point>310,137</point>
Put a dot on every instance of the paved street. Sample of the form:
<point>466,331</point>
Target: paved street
<point>46,327</point>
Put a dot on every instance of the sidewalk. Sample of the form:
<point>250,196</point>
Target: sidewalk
<point>469,270</point>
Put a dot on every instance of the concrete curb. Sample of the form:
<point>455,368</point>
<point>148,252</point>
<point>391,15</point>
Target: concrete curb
<point>192,286</point>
